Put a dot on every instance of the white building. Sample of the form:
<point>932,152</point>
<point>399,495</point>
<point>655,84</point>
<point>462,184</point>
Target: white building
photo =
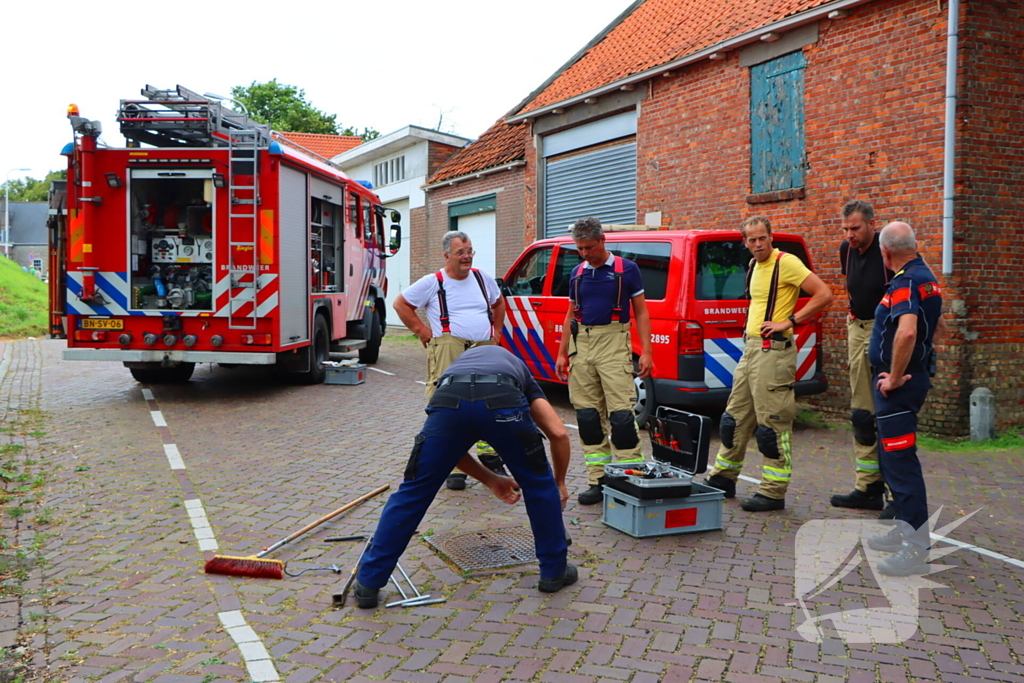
<point>398,165</point>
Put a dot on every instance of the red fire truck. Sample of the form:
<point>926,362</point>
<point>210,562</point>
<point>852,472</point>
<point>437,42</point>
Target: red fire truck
<point>207,240</point>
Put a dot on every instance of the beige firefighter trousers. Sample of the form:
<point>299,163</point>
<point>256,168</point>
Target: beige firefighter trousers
<point>858,338</point>
<point>442,352</point>
<point>762,394</point>
<point>601,377</point>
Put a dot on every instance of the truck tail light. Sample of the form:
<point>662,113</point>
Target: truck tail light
<point>256,339</point>
<point>90,335</point>
<point>691,337</point>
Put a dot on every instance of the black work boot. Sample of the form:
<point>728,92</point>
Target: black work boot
<point>906,561</point>
<point>890,511</point>
<point>593,495</point>
<point>556,584</point>
<point>872,499</point>
<point>760,503</point>
<point>722,483</point>
<point>495,464</point>
<point>887,543</point>
<point>366,597</point>
<point>456,481</point>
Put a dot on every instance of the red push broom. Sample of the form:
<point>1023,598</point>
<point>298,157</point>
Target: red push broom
<point>257,567</point>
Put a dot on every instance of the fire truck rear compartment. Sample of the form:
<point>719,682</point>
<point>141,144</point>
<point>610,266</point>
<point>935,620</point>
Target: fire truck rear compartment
<point>171,239</point>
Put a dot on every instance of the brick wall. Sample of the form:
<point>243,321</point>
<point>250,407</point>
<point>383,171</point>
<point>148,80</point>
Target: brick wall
<point>510,235</point>
<point>989,256</point>
<point>874,123</point>
<point>437,154</point>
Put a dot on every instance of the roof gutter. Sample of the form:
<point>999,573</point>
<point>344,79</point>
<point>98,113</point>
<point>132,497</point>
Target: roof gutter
<point>476,174</point>
<point>741,40</point>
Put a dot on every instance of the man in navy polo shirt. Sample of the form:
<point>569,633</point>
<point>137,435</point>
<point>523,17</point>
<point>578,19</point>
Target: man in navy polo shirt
<point>907,322</point>
<point>596,353</point>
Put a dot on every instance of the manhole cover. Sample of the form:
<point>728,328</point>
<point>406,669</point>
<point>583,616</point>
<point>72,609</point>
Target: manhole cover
<point>486,549</point>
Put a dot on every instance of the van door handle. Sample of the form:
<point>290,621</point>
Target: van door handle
<point>536,304</point>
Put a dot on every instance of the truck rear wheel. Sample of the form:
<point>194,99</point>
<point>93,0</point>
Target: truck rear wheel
<point>178,374</point>
<point>371,352</point>
<point>318,352</point>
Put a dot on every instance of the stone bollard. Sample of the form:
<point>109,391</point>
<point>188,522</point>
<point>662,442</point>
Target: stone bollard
<point>983,414</point>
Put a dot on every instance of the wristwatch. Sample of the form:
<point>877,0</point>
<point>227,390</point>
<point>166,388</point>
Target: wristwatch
<point>792,319</point>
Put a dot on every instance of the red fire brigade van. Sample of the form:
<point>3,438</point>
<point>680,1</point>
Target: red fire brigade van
<point>694,282</point>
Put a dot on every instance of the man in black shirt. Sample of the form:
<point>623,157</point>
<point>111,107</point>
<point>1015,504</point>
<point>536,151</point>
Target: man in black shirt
<point>486,394</point>
<point>860,260</point>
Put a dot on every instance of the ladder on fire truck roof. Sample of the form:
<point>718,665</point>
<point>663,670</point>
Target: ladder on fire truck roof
<point>182,118</point>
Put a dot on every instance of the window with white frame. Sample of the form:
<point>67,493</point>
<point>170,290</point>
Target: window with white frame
<point>390,171</point>
<point>37,263</point>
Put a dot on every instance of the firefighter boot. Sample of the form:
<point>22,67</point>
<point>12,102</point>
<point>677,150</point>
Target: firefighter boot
<point>872,499</point>
<point>594,494</point>
<point>722,483</point>
<point>456,481</point>
<point>890,511</point>
<point>555,584</point>
<point>495,464</point>
<point>759,503</point>
<point>366,597</point>
<point>889,542</point>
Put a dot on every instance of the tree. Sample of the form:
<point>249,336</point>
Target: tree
<point>285,108</point>
<point>32,190</point>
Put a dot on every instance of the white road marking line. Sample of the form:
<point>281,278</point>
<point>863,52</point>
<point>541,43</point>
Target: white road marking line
<point>173,456</point>
<point>158,418</point>
<point>254,653</point>
<point>419,381</point>
<point>201,528</point>
<point>750,479</point>
<point>570,426</point>
<point>148,395</point>
<point>383,372</point>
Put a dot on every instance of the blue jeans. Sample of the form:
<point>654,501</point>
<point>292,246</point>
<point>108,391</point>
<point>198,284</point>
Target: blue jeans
<point>897,452</point>
<point>458,416</point>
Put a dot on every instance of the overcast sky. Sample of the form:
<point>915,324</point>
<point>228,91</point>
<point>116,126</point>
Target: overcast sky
<point>381,64</point>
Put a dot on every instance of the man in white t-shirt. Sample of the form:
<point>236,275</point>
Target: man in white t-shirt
<point>464,308</point>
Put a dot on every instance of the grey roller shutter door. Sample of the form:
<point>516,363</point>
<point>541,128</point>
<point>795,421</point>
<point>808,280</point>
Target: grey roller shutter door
<point>600,184</point>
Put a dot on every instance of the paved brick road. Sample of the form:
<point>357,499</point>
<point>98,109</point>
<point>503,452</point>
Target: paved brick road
<point>121,595</point>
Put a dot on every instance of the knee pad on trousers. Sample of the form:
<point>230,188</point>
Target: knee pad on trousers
<point>768,442</point>
<point>727,429</point>
<point>623,426</point>
<point>863,422</point>
<point>589,421</point>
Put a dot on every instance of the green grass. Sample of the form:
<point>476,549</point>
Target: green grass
<point>1007,441</point>
<point>23,302</point>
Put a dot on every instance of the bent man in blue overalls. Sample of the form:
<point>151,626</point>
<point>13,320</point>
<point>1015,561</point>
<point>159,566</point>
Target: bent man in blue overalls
<point>486,394</point>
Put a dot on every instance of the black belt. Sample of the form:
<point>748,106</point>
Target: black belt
<point>478,379</point>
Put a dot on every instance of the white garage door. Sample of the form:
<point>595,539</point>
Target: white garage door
<point>480,228</point>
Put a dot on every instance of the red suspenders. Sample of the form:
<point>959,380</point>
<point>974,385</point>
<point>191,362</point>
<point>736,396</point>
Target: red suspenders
<point>442,301</point>
<point>618,309</point>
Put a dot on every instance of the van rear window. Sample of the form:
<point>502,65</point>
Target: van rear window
<point>722,268</point>
<point>652,257</point>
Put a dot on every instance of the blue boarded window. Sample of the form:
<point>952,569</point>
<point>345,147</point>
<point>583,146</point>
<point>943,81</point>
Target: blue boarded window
<point>777,158</point>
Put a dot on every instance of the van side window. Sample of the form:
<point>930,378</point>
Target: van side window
<point>652,258</point>
<point>528,278</point>
<point>722,268</point>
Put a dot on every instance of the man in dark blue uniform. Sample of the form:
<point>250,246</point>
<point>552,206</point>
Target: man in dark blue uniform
<point>486,394</point>
<point>907,322</point>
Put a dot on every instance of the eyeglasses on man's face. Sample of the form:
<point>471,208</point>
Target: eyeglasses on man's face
<point>463,252</point>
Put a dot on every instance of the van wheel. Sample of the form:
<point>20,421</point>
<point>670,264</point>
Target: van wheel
<point>646,403</point>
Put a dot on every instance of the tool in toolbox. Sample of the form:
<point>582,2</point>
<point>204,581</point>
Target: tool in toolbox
<point>679,442</point>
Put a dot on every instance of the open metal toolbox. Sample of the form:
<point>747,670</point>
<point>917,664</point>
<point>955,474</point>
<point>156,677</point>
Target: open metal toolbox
<point>679,445</point>
<point>671,502</point>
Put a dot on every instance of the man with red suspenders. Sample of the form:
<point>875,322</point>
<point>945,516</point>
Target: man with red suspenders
<point>762,401</point>
<point>464,308</point>
<point>596,356</point>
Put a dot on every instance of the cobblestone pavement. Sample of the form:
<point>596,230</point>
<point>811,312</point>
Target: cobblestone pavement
<point>102,567</point>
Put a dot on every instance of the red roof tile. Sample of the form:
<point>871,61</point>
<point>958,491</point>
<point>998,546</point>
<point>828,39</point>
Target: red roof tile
<point>322,145</point>
<point>660,31</point>
<point>500,144</point>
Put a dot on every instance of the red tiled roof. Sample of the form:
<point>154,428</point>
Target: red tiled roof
<point>660,31</point>
<point>326,146</point>
<point>500,144</point>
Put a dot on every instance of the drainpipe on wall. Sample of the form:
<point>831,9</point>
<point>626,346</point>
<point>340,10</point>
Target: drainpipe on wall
<point>949,141</point>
